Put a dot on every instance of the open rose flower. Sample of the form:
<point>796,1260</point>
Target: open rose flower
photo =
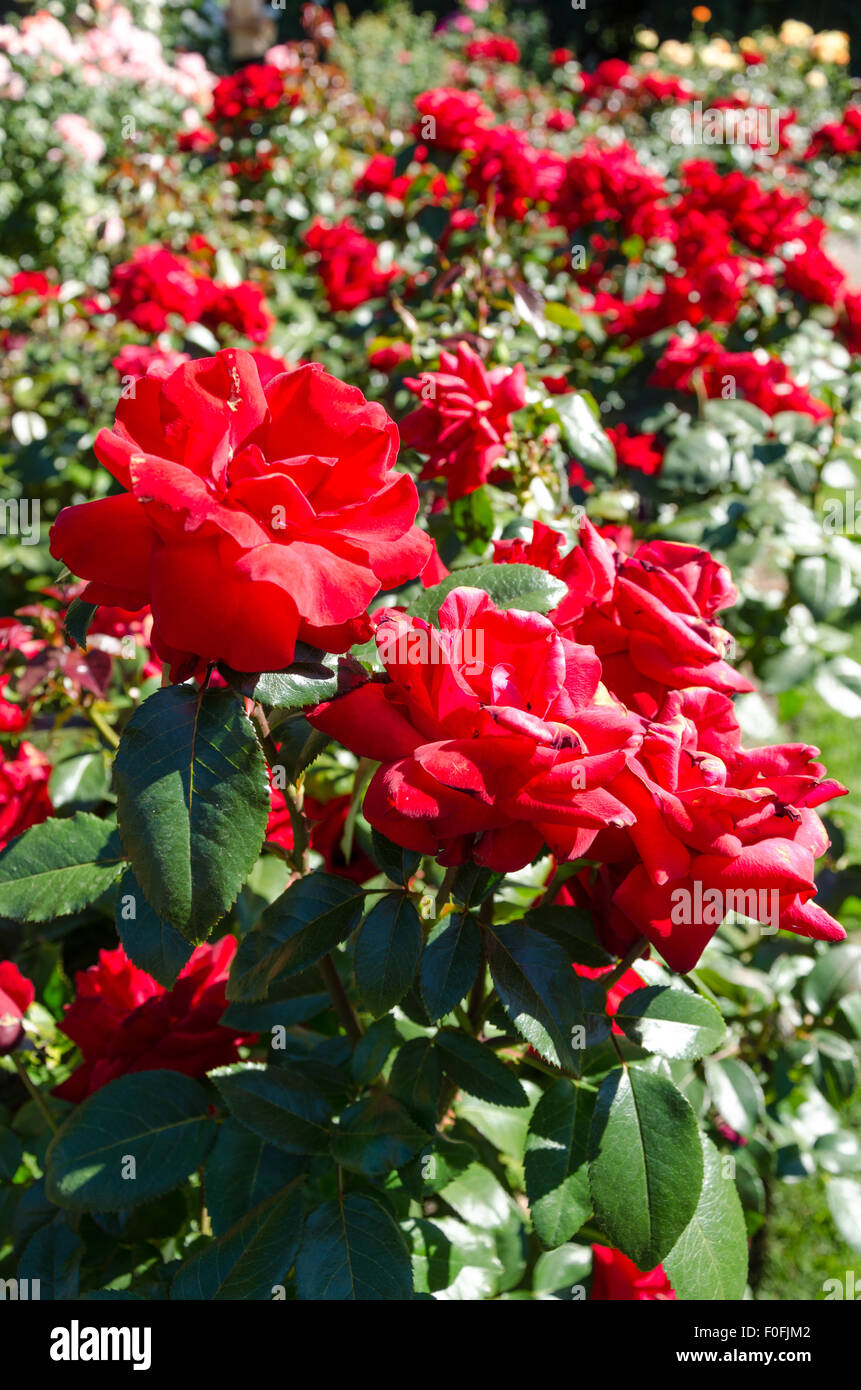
<point>650,616</point>
<point>124,1021</point>
<point>495,735</point>
<point>16,995</point>
<point>464,418</point>
<point>252,516</point>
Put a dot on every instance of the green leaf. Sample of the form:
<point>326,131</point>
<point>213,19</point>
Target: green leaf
<point>557,1175</point>
<point>645,1163</point>
<point>450,962</point>
<point>251,1258</point>
<point>709,1260</point>
<point>542,995</point>
<point>510,586</point>
<point>697,461</point>
<point>372,1050</point>
<point>375,1136</point>
<point>574,930</point>
<point>310,918</point>
<point>159,1119</point>
<point>397,863</point>
<point>82,781</point>
<point>674,1023</point>
<point>311,678</point>
<point>58,867</point>
<point>844,1202</point>
<point>736,1094</point>
<point>479,1198</point>
<point>453,1260</point>
<point>79,615</point>
<point>416,1079</point>
<point>284,1108</point>
<point>353,1250</point>
<point>151,943</point>
<point>299,745</point>
<point>242,1171</point>
<point>474,1067</point>
<point>836,974</point>
<point>53,1256</point>
<point>192,803</point>
<point>588,442</point>
<point>387,952</point>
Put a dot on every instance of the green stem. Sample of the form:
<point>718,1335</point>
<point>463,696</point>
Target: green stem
<point>638,949</point>
<point>343,1007</point>
<point>108,734</point>
<point>35,1094</point>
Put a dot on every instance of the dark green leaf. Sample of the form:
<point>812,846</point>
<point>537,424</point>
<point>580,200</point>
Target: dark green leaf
<point>76,624</point>
<point>284,1108</point>
<point>309,919</point>
<point>353,1250</point>
<point>474,1067</point>
<point>397,863</point>
<point>242,1171</point>
<point>450,962</point>
<point>251,1258</point>
<point>159,1119</point>
<point>709,1260</point>
<point>387,952</point>
<point>150,942</point>
<point>53,1256</point>
<point>192,803</point>
<point>416,1079</point>
<point>375,1136</point>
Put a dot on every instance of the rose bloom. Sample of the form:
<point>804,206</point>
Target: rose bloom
<point>464,418</point>
<point>142,359</point>
<point>713,820</point>
<point>275,512</point>
<point>24,799</point>
<point>636,451</point>
<point>651,616</point>
<point>617,1279</point>
<point>240,307</point>
<point>450,119</point>
<point>347,264</point>
<point>31,282</point>
<point>154,284</point>
<point>493,49</point>
<point>763,380</point>
<point>495,734</point>
<point>16,995</point>
<point>124,1021</point>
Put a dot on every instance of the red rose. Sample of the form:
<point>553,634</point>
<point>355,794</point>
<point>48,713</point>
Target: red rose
<point>636,451</point>
<point>242,307</point>
<point>494,733</point>
<point>464,418</point>
<point>275,512</point>
<point>124,1021</point>
<point>649,616</point>
<point>493,49</point>
<point>618,1279</point>
<point>140,359</point>
<point>450,119</point>
<point>154,284</point>
<point>16,995</point>
<point>24,799</point>
<point>31,282</point>
<point>347,264</point>
<point>763,380</point>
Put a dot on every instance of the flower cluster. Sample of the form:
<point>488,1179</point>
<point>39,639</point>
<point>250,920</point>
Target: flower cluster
<point>603,732</point>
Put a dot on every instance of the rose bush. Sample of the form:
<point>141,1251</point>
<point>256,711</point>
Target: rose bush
<point>430,535</point>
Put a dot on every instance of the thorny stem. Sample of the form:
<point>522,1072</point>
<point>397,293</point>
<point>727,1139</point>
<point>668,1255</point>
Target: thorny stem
<point>293,797</point>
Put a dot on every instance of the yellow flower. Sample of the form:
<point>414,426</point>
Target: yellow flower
<point>816,78</point>
<point>831,46</point>
<point>718,54</point>
<point>682,54</point>
<point>795,34</point>
<point>647,38</point>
